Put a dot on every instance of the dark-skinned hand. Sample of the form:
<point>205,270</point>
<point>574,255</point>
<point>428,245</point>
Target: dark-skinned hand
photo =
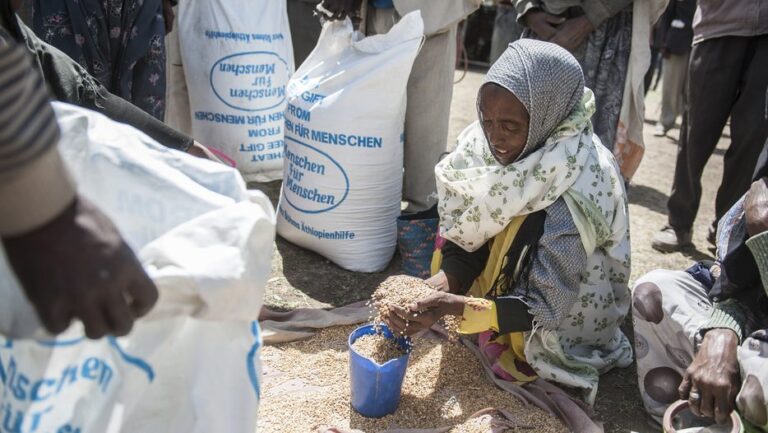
<point>341,9</point>
<point>168,16</point>
<point>440,281</point>
<point>78,267</point>
<point>543,23</point>
<point>756,207</point>
<point>714,375</point>
<point>572,33</point>
<point>423,313</point>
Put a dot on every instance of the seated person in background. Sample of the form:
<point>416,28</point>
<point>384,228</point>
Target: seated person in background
<point>700,334</point>
<point>69,82</point>
<point>535,216</point>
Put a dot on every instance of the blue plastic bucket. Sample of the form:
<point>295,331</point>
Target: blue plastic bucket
<point>376,387</point>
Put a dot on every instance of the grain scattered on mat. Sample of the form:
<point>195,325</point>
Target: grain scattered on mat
<point>378,348</point>
<point>306,384</point>
<point>483,424</point>
<point>403,291</point>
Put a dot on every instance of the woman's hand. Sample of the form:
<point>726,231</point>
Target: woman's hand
<point>542,23</point>
<point>439,282</point>
<point>572,33</point>
<point>423,313</point>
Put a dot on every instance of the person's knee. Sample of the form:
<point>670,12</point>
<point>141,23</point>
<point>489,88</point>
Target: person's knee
<point>647,302</point>
<point>661,384</point>
<point>751,401</point>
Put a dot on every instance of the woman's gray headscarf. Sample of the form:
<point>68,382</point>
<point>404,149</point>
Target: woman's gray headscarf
<point>546,78</point>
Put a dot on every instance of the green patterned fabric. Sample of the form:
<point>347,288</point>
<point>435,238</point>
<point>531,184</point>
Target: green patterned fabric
<point>758,244</point>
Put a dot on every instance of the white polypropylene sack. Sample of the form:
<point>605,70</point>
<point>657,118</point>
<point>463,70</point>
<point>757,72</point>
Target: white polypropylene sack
<point>190,365</point>
<point>237,58</point>
<point>343,170</point>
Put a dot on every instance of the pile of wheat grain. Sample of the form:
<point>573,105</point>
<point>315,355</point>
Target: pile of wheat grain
<point>306,385</point>
<point>378,348</point>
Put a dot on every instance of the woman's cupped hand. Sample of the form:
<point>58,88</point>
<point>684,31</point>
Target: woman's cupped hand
<point>423,313</point>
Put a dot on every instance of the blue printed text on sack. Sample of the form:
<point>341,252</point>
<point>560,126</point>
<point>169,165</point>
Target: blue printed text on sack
<point>338,139</point>
<point>33,420</point>
<point>335,235</point>
<point>250,80</point>
<point>239,69</point>
<point>239,119</point>
<point>26,388</point>
<point>243,37</point>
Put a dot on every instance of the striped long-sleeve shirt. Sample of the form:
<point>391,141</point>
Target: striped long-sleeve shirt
<point>35,186</point>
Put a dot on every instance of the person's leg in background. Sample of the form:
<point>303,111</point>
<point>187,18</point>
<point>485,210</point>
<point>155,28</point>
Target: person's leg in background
<point>505,30</point>
<point>305,28</point>
<point>430,88</point>
<point>711,90</point>
<point>673,82</point>
<point>668,308</point>
<point>749,126</point>
<point>653,68</point>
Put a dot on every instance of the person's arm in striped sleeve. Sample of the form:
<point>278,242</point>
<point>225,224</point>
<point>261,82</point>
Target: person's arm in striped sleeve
<point>69,258</point>
<point>34,185</point>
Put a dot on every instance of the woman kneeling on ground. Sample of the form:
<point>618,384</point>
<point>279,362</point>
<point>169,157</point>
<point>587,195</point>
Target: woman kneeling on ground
<point>535,216</point>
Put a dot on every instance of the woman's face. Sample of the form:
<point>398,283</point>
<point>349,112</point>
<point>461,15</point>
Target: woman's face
<point>505,122</point>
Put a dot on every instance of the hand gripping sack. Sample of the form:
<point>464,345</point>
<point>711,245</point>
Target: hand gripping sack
<point>342,180</point>
<point>192,364</point>
<point>238,57</point>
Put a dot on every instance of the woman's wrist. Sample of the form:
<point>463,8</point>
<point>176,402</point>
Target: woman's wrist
<point>454,286</point>
<point>455,305</point>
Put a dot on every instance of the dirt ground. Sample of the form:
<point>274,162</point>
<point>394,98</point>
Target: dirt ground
<point>304,279</point>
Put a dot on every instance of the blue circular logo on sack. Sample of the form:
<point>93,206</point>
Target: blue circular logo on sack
<point>313,181</point>
<point>250,81</point>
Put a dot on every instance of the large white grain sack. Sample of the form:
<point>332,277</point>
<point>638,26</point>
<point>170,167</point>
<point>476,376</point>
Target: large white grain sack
<point>238,57</point>
<point>343,170</point>
<point>192,364</point>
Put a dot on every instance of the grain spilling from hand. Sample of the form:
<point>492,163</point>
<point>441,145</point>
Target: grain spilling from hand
<point>378,348</point>
<point>403,291</point>
<point>444,385</point>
